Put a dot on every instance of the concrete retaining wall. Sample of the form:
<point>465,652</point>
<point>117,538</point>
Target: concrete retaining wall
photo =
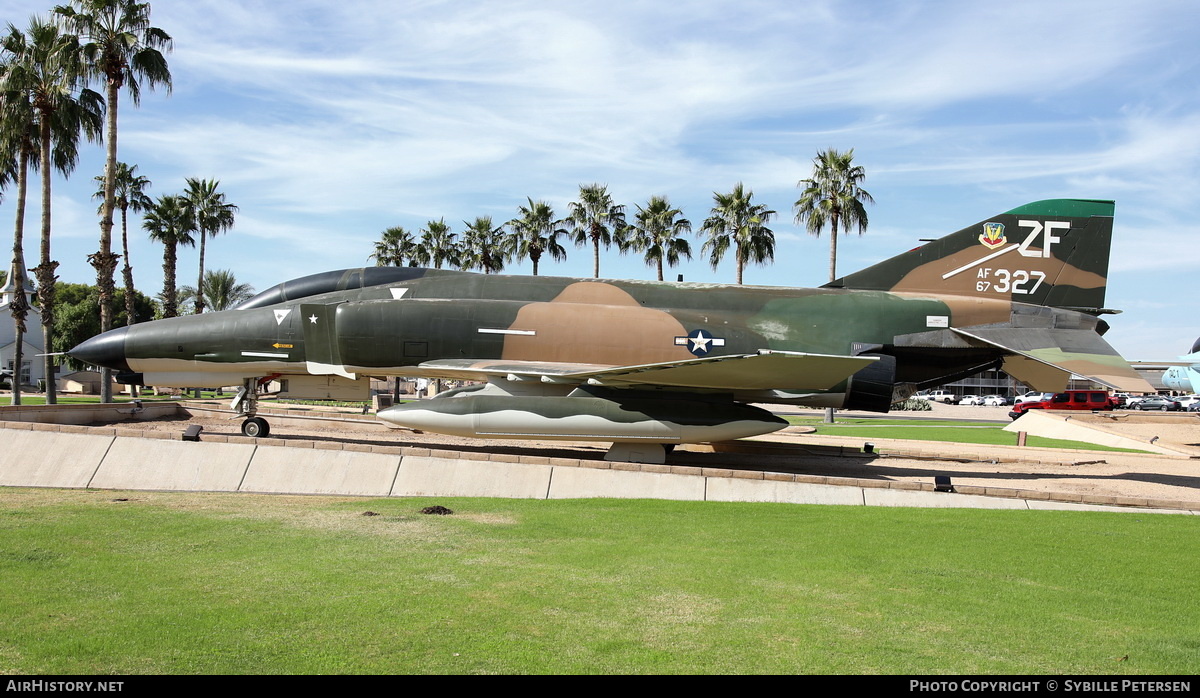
<point>142,464</point>
<point>42,455</point>
<point>50,458</point>
<point>89,414</point>
<point>447,477</point>
<point>307,471</point>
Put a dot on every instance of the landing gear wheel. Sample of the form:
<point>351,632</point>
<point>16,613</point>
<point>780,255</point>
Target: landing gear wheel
<point>256,427</point>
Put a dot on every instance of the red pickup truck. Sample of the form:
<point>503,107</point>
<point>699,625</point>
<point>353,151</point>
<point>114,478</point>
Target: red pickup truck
<point>1069,400</point>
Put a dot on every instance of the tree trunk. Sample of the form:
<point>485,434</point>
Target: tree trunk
<point>833,248</point>
<point>18,357</point>
<point>170,300</point>
<point>199,308</point>
<point>595,257</point>
<point>127,277</point>
<point>829,411</point>
<point>104,261</point>
<point>127,272</point>
<point>45,270</point>
<point>20,306</point>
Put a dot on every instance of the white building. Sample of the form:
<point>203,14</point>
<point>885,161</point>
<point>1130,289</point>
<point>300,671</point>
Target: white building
<point>32,366</point>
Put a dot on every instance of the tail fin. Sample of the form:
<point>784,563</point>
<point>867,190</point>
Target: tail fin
<point>1052,252</point>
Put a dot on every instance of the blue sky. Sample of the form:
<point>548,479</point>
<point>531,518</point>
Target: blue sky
<point>329,122</point>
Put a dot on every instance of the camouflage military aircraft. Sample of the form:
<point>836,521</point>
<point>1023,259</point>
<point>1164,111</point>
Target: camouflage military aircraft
<point>646,365</point>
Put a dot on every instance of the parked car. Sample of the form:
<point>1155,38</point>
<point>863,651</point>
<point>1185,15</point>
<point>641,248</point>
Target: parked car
<point>1032,396</point>
<point>1131,401</point>
<point>995,400</point>
<point>1158,402</point>
<point>1187,401</point>
<point>1067,400</point>
<point>944,396</point>
<point>970,400</point>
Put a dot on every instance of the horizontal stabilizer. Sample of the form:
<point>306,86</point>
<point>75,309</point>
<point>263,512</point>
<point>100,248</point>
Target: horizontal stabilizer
<point>1051,356</point>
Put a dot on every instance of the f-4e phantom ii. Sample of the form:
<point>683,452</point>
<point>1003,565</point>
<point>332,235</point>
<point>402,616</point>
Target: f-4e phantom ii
<point>647,365</point>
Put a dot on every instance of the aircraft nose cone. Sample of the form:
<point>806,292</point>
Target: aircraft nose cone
<point>107,350</point>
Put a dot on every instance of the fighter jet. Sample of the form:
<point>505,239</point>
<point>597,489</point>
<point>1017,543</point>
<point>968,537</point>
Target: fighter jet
<point>647,365</point>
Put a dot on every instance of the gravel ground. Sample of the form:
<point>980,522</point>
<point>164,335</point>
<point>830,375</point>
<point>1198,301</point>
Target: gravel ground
<point>1046,470</point>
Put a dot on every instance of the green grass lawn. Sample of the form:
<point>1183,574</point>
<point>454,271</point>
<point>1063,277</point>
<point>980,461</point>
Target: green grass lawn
<point>806,420</point>
<point>952,431</point>
<point>209,583</point>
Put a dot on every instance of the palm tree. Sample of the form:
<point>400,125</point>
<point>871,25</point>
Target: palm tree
<point>394,248</point>
<point>18,146</point>
<point>737,222</point>
<point>485,246</point>
<point>213,215</point>
<point>129,194</point>
<point>596,220</point>
<point>46,66</point>
<point>833,196</point>
<point>171,222</point>
<point>534,234</point>
<point>437,245</point>
<point>658,232</point>
<point>221,290</point>
<point>123,50</point>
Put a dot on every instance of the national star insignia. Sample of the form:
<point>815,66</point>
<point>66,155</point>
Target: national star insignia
<point>313,318</point>
<point>698,341</point>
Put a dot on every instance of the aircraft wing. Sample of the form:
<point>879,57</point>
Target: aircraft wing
<point>762,371</point>
<point>1045,358</point>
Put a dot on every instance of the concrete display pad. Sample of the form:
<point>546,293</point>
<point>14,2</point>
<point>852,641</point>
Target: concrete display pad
<point>580,483</point>
<point>50,459</point>
<point>1087,428</point>
<point>306,471</point>
<point>455,477</point>
<point>144,464</point>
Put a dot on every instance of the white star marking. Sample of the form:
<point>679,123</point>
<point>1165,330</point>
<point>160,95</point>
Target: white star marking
<point>312,318</point>
<point>698,342</point>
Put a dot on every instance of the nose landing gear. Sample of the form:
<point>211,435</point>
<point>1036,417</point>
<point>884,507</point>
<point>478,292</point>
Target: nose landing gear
<point>256,426</point>
<point>246,405</point>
